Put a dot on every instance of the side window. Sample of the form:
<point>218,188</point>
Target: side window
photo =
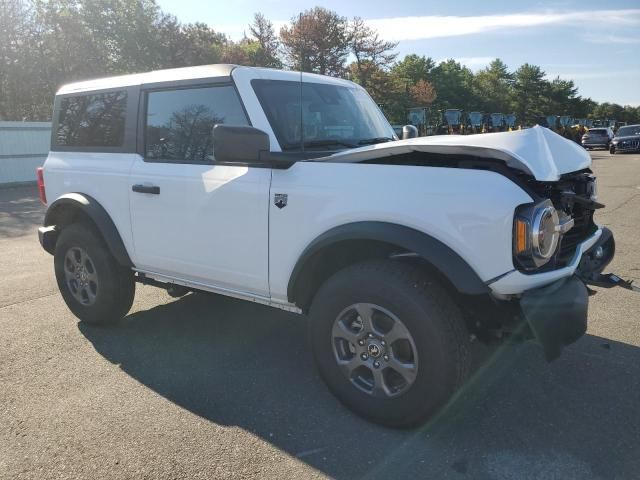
<point>179,123</point>
<point>95,120</point>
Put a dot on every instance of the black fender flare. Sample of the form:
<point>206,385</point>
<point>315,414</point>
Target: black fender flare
<point>63,208</point>
<point>442,257</point>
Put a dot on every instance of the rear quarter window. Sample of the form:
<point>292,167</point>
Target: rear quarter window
<point>95,120</point>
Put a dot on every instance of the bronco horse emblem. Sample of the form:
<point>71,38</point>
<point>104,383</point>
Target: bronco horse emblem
<point>280,200</point>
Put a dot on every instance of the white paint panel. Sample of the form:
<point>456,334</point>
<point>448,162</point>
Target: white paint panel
<point>537,151</point>
<point>103,176</point>
<point>209,224</point>
<point>517,282</point>
<point>471,211</point>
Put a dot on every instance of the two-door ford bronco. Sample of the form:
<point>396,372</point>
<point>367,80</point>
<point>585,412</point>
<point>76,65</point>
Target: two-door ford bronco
<point>292,190</point>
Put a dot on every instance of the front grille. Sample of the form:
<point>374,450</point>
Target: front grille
<point>628,146</point>
<point>582,229</point>
<point>571,195</point>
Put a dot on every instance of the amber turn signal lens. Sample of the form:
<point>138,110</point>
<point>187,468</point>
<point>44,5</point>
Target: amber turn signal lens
<point>521,236</point>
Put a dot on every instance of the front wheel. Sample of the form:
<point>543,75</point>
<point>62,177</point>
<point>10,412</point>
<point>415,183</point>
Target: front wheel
<point>389,342</point>
<point>612,149</point>
<point>93,285</point>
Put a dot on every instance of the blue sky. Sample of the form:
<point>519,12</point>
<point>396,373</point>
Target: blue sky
<point>595,43</point>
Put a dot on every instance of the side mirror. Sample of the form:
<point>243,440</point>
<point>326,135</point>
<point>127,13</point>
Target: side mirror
<point>409,131</point>
<point>239,144</point>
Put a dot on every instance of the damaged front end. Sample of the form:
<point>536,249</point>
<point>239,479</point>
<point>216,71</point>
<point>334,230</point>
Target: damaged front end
<point>596,259</point>
<point>556,313</point>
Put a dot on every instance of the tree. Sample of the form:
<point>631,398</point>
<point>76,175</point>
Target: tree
<point>413,68</point>
<point>46,43</point>
<point>194,44</point>
<point>268,44</point>
<point>316,41</point>
<point>608,111</point>
<point>404,88</point>
<point>372,54</point>
<point>493,86</point>
<point>453,82</point>
<point>423,93</point>
<point>528,93</point>
<point>17,62</point>
<point>629,114</point>
<point>560,96</point>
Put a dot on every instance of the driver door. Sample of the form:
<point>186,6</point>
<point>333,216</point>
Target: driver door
<point>192,218</point>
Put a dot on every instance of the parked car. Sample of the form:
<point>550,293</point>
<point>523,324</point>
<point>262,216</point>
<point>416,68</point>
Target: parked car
<point>293,191</point>
<point>597,138</point>
<point>627,139</point>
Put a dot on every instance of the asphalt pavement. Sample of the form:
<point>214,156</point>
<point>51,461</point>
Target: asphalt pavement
<point>210,387</point>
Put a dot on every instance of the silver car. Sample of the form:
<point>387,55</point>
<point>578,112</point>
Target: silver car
<point>597,138</point>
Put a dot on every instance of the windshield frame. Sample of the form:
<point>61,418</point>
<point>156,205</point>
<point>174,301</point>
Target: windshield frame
<point>380,127</point>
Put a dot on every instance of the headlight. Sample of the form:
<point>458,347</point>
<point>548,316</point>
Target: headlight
<point>545,233</point>
<point>536,234</point>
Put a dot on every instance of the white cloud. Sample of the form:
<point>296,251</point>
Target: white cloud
<point>474,63</point>
<point>617,39</point>
<point>441,26</point>
<point>425,27</point>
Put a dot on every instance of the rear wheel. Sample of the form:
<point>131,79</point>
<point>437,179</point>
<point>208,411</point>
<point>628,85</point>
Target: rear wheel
<point>389,342</point>
<point>94,286</point>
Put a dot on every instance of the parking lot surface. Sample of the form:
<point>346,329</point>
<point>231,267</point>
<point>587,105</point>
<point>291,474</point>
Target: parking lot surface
<point>209,387</point>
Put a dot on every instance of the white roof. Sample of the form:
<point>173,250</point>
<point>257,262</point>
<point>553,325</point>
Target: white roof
<point>537,151</point>
<point>192,73</point>
<point>186,73</point>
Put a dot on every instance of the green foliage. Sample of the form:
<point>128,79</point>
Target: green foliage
<point>316,41</point>
<point>529,88</point>
<point>493,86</point>
<point>453,83</point>
<point>46,43</point>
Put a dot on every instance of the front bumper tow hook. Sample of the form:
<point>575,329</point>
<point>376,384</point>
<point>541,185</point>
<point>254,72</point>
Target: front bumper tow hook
<point>596,259</point>
<point>610,280</point>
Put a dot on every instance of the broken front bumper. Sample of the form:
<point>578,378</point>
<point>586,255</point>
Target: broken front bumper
<point>557,313</point>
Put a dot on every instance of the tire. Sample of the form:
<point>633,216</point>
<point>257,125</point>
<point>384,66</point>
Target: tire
<point>612,150</point>
<point>94,286</point>
<point>438,344</point>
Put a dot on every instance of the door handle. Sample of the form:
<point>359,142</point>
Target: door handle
<point>153,189</point>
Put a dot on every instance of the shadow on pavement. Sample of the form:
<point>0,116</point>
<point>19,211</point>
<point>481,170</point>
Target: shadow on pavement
<point>236,363</point>
<point>20,210</point>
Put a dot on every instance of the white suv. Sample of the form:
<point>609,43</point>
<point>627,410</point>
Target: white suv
<point>292,190</point>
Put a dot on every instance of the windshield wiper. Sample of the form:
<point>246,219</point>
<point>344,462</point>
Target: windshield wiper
<point>329,142</point>
<point>371,141</point>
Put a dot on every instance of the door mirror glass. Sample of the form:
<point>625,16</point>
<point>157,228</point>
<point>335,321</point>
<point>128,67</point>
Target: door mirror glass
<point>409,131</point>
<point>239,144</point>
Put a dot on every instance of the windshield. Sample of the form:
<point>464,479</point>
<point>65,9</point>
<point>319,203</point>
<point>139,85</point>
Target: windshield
<point>330,117</point>
<point>595,131</point>
<point>627,131</point>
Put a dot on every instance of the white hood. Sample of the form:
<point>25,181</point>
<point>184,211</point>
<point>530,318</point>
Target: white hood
<point>537,151</point>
